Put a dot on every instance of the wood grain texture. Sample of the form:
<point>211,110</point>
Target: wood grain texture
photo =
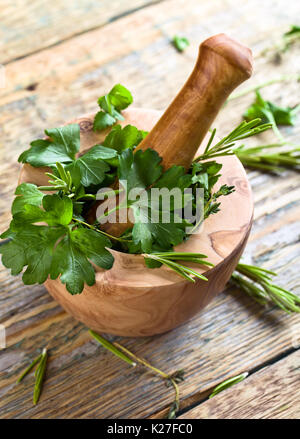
<point>232,334</point>
<point>271,393</point>
<point>131,300</point>
<point>28,26</point>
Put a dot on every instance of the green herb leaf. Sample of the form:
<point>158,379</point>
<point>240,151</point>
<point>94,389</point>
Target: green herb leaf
<point>180,43</point>
<point>139,170</point>
<point>88,169</point>
<point>294,29</point>
<point>120,138</point>
<point>40,374</point>
<point>269,112</point>
<point>62,146</point>
<point>71,258</point>
<point>57,211</point>
<point>108,345</point>
<point>29,368</point>
<point>32,246</point>
<point>111,104</point>
<point>228,383</point>
<point>27,193</point>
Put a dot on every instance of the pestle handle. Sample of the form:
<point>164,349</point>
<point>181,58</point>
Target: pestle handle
<point>222,65</point>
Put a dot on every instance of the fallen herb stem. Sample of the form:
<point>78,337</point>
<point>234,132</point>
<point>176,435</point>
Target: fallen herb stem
<point>111,347</point>
<point>119,350</point>
<point>29,368</point>
<point>253,88</point>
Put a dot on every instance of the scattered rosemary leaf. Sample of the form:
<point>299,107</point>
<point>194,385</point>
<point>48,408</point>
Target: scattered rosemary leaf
<point>40,373</point>
<point>29,368</point>
<point>228,383</point>
<point>105,343</point>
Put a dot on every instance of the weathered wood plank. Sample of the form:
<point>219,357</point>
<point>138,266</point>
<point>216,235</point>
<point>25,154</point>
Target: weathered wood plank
<point>31,25</point>
<point>271,393</point>
<point>70,77</point>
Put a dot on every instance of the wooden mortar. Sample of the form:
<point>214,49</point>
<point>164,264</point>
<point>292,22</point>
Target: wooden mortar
<point>133,300</point>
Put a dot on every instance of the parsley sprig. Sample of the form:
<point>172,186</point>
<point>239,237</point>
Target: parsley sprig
<point>111,106</point>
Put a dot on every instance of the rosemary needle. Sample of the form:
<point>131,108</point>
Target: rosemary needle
<point>105,343</point>
<point>228,383</point>
<point>29,368</point>
<point>40,376</point>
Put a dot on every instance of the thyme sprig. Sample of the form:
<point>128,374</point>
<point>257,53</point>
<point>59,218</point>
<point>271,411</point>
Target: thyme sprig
<point>170,379</point>
<point>256,282</point>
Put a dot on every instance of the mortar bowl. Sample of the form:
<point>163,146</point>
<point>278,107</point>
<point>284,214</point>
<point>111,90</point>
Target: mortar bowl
<point>133,300</point>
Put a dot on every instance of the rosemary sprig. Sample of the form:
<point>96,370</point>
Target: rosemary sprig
<point>63,182</point>
<point>225,146</point>
<point>228,383</point>
<point>170,380</point>
<point>41,360</point>
<point>275,161</point>
<point>170,259</point>
<point>256,282</point>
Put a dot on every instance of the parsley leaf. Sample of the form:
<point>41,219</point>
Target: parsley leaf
<point>32,246</point>
<point>294,30</point>
<point>120,138</point>
<point>139,170</point>
<point>57,211</point>
<point>145,233</point>
<point>62,145</point>
<point>71,258</point>
<point>90,168</point>
<point>27,194</point>
<point>180,43</point>
<point>111,104</point>
<point>269,112</point>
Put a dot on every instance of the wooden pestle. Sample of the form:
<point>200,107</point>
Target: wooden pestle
<point>222,65</point>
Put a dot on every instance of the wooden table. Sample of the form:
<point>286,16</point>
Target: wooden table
<point>59,58</point>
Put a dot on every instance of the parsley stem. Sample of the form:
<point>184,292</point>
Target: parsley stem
<point>100,231</point>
